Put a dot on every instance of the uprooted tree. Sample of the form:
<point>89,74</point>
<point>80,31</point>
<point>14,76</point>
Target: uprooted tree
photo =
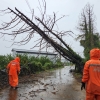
<point>44,27</point>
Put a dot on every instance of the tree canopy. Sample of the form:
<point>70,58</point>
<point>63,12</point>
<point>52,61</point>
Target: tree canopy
<point>89,38</point>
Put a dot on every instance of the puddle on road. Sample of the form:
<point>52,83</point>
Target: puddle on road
<point>54,85</point>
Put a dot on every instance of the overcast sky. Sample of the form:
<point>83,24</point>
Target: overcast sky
<point>71,8</point>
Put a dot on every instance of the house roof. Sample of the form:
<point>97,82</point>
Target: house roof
<point>32,51</point>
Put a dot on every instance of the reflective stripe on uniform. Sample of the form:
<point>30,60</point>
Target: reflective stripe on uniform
<point>14,64</point>
<point>96,67</point>
<point>93,65</point>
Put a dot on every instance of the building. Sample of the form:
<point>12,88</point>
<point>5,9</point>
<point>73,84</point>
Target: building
<point>50,55</point>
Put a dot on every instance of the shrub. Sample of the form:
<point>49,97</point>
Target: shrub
<point>47,65</point>
<point>30,64</point>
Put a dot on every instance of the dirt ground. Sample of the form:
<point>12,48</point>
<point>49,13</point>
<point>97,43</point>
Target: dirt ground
<point>51,85</point>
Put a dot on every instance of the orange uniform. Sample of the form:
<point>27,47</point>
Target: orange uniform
<point>91,76</point>
<point>13,69</point>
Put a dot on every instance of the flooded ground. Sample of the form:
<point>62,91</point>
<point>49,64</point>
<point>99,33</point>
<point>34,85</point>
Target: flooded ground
<point>53,85</point>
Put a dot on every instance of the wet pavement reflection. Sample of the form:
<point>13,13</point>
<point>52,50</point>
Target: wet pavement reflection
<point>12,94</point>
<point>51,85</point>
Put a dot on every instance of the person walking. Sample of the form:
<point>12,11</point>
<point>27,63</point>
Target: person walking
<point>13,70</point>
<point>91,76</point>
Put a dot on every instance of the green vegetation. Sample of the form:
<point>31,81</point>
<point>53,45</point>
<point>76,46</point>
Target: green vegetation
<point>4,60</point>
<point>31,64</point>
<point>89,38</point>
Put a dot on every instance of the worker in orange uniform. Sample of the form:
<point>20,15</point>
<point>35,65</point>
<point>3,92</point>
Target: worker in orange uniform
<point>13,70</point>
<point>91,76</point>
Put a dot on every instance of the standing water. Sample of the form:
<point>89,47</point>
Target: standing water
<point>52,85</point>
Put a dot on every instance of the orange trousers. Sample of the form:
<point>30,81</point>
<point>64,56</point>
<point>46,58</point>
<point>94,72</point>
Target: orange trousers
<point>92,96</point>
<point>13,80</point>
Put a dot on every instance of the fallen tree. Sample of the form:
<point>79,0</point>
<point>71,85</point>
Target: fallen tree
<point>45,32</point>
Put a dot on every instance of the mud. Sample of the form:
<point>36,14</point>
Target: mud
<point>52,85</point>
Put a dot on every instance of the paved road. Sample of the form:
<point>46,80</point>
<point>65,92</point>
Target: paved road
<point>53,85</point>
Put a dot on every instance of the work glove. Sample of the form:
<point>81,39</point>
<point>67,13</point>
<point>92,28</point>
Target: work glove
<point>83,85</point>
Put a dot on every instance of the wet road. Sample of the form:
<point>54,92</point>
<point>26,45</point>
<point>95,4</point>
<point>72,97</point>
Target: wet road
<point>53,85</point>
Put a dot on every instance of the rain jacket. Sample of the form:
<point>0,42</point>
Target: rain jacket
<point>91,73</point>
<point>13,70</point>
